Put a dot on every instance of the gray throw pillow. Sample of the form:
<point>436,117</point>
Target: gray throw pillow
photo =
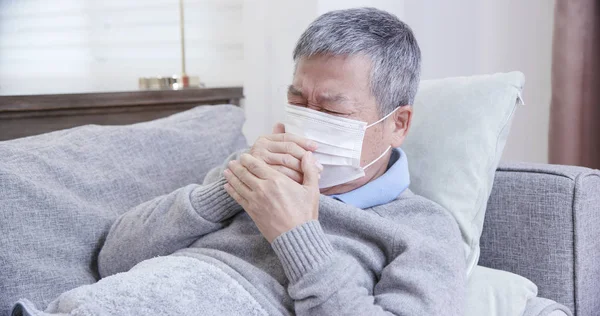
<point>60,192</point>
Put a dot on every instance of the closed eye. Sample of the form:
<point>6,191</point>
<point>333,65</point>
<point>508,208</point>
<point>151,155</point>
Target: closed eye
<point>334,112</point>
<point>303,104</point>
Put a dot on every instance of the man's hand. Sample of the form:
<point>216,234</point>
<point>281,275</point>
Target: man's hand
<point>283,152</point>
<point>275,202</point>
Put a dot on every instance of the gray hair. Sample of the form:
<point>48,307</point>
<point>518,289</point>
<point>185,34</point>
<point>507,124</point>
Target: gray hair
<point>387,41</point>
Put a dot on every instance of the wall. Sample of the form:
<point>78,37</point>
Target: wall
<point>465,37</point>
<point>271,28</point>
<point>105,45</point>
<point>461,37</point>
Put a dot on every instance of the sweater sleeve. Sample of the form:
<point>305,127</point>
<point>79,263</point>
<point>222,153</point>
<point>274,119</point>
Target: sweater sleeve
<point>167,223</point>
<point>424,279</point>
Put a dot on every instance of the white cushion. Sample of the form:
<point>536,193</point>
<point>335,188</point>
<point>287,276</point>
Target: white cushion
<point>498,293</point>
<point>458,132</point>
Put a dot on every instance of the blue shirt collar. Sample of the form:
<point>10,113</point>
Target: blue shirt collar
<point>383,189</point>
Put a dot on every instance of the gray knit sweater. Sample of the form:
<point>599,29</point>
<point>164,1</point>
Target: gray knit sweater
<point>402,258</point>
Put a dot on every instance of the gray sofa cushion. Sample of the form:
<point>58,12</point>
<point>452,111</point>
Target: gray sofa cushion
<point>543,222</point>
<point>60,192</point>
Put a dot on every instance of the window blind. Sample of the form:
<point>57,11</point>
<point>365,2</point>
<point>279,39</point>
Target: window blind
<point>72,46</point>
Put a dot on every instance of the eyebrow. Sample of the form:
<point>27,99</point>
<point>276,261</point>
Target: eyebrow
<point>325,97</point>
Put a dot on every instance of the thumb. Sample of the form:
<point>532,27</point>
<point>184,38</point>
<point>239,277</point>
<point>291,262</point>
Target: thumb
<point>310,170</point>
<point>278,128</point>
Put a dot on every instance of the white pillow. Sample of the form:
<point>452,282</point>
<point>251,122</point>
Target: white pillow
<point>498,293</point>
<point>458,132</point>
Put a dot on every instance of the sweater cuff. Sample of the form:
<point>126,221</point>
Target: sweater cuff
<point>302,249</point>
<point>213,203</point>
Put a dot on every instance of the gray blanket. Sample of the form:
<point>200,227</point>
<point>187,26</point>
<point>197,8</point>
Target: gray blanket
<point>169,285</point>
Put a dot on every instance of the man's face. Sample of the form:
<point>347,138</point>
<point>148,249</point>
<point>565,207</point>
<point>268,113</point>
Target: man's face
<point>340,86</point>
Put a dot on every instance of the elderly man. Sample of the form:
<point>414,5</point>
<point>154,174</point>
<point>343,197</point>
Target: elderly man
<point>317,218</point>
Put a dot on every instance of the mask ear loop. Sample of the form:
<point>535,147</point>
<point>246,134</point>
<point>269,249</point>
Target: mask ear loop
<point>389,147</point>
<point>374,161</point>
<point>383,118</point>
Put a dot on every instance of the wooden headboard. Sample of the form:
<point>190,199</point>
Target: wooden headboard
<point>28,115</point>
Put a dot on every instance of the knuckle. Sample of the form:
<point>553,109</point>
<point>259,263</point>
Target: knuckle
<point>271,183</point>
<point>261,190</point>
<point>261,142</point>
<point>254,149</point>
<point>246,159</point>
<point>297,177</point>
<point>290,160</point>
<point>262,154</point>
<point>264,157</point>
<point>277,182</point>
<point>258,155</point>
<point>243,174</point>
<point>286,159</point>
<point>289,147</point>
<point>262,195</point>
<point>252,165</point>
<point>284,171</point>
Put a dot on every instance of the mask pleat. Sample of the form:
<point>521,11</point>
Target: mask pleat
<point>339,142</point>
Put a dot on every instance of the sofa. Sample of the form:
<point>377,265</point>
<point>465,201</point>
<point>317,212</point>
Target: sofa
<point>60,192</point>
<point>543,222</point>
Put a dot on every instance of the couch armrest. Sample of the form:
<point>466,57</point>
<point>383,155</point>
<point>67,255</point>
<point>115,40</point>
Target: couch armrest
<point>543,222</point>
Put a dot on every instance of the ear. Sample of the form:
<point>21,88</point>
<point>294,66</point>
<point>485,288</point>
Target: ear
<point>401,119</point>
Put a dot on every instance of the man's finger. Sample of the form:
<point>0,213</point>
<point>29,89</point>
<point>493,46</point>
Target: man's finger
<point>243,173</point>
<point>236,183</point>
<point>285,160</point>
<point>310,170</point>
<point>256,167</point>
<point>281,147</point>
<point>278,128</point>
<point>307,144</point>
<point>235,195</point>
<point>292,174</point>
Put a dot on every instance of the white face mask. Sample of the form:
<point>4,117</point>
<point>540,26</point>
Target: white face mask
<point>339,142</point>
